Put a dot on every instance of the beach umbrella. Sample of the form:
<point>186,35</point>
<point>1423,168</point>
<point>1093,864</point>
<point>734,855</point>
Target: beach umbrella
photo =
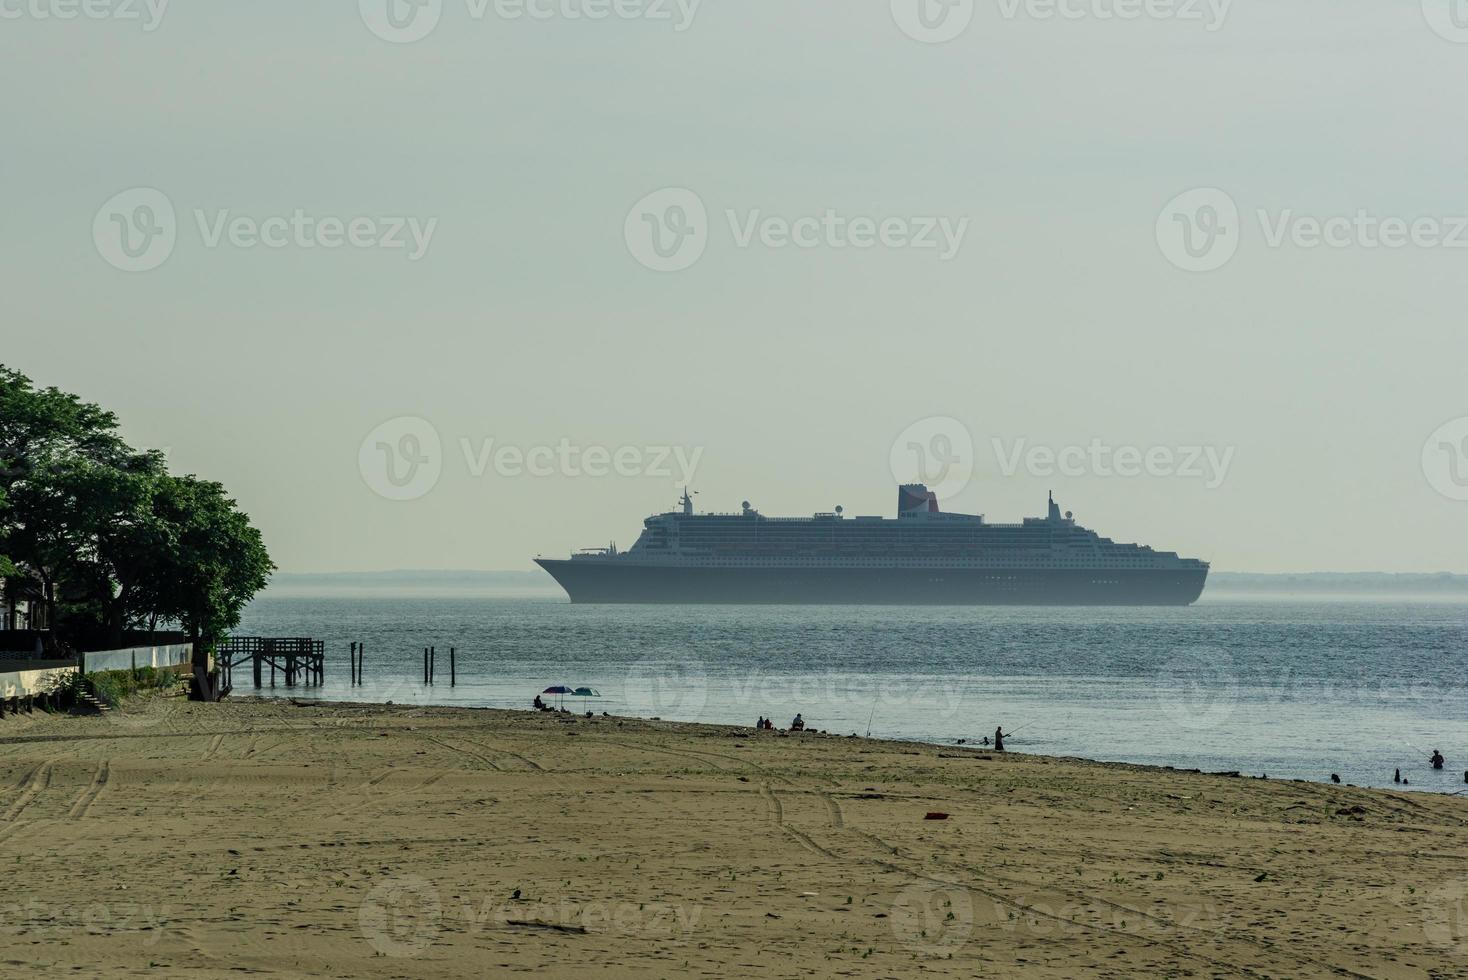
<point>559,690</point>
<point>586,692</point>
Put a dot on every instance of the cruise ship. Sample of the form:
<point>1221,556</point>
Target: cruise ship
<point>922,557</point>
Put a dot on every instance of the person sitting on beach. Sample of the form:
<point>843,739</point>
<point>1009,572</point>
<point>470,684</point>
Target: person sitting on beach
<point>538,704</point>
<point>759,726</point>
<point>798,725</point>
<point>1437,759</point>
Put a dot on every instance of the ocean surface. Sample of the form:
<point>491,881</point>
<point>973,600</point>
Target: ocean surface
<point>1295,689</point>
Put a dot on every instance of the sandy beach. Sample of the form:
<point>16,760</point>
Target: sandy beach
<point>265,837</point>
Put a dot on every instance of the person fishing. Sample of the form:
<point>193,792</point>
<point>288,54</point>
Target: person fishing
<point>1437,759</point>
<point>999,739</point>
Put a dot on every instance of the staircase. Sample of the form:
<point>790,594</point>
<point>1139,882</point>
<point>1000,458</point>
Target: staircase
<point>87,702</point>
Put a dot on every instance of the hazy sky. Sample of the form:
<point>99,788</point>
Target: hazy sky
<point>994,236</point>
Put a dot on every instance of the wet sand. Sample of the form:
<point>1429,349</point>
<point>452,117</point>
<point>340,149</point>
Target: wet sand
<point>176,839</point>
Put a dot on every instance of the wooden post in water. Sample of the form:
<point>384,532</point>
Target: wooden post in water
<point>425,666</point>
<point>453,671</point>
<point>432,663</point>
<point>256,658</point>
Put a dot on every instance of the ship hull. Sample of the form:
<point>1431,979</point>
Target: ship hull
<point>612,582</point>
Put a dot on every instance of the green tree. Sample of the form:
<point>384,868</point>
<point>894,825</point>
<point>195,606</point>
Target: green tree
<point>109,531</point>
<point>43,432</point>
<point>116,536</point>
<point>39,424</point>
<point>7,567</point>
<point>214,563</point>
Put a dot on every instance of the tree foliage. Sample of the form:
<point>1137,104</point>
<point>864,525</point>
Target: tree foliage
<point>115,541</point>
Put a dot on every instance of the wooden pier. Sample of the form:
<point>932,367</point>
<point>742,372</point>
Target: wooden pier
<point>297,660</point>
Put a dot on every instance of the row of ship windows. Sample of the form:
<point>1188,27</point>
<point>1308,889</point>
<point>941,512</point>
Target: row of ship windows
<point>893,562</point>
<point>988,555</point>
<point>882,539</point>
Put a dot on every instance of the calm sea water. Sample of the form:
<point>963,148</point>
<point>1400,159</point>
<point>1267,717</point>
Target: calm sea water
<point>1293,689</point>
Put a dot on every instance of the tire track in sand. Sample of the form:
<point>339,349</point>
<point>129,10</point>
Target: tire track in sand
<point>32,786</point>
<point>89,795</point>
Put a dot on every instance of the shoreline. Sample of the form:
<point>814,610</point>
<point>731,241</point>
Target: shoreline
<point>301,694</point>
<point>338,838</point>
